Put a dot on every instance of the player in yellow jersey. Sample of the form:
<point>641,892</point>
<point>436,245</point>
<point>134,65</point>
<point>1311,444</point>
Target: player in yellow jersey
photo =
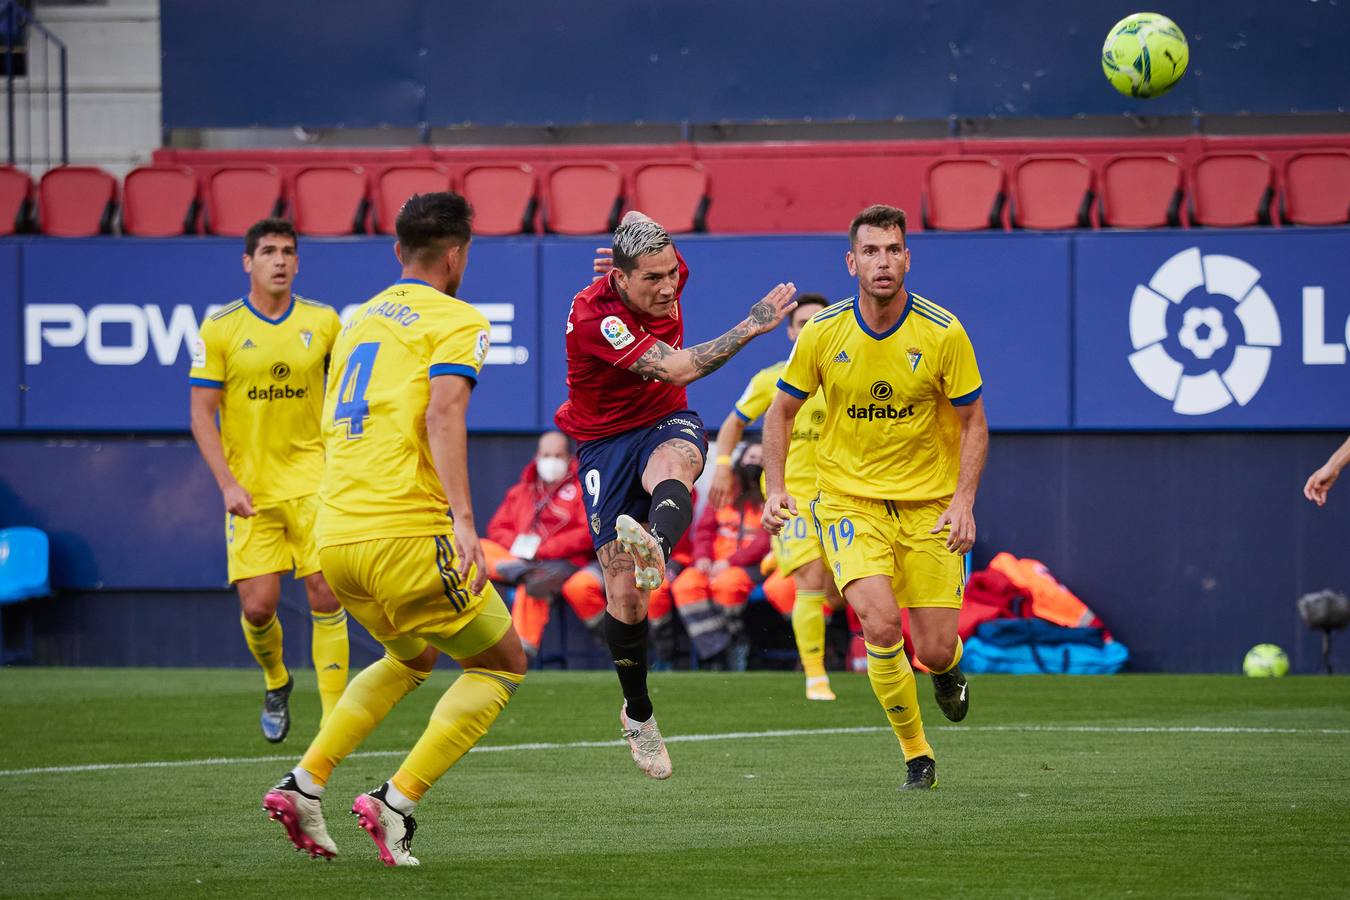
<point>259,364</point>
<point>413,575</point>
<point>898,463</point>
<point>796,546</point>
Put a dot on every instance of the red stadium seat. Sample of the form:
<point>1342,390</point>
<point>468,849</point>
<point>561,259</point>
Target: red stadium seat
<point>398,183</point>
<point>159,201</point>
<point>16,200</point>
<point>1141,191</point>
<point>1231,190</point>
<point>238,197</point>
<point>584,199</point>
<point>674,194</point>
<point>963,193</point>
<point>1052,192</point>
<point>331,201</point>
<point>76,201</point>
<point>1317,188</point>
<point>503,198</point>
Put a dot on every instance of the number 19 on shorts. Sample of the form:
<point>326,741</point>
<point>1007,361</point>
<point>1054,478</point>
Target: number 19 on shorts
<point>840,533</point>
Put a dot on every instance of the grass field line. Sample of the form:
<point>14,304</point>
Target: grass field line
<point>686,738</point>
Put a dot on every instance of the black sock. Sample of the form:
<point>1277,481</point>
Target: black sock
<point>628,643</point>
<point>671,513</point>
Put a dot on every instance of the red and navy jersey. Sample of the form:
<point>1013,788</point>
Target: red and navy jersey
<point>604,337</point>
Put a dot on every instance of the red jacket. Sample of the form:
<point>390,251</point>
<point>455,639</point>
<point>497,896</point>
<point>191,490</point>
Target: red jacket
<point>732,533</point>
<point>557,514</point>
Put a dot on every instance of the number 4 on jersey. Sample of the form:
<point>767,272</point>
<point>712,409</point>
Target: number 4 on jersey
<point>351,406</point>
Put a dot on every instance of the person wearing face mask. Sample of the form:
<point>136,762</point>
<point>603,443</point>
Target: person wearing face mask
<point>729,543</point>
<point>538,536</point>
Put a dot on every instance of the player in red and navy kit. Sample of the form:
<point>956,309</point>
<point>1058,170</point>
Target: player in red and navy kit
<point>639,448</point>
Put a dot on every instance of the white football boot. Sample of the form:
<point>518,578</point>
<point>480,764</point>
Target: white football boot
<point>649,562</point>
<point>647,745</point>
<point>302,817</point>
<point>390,829</point>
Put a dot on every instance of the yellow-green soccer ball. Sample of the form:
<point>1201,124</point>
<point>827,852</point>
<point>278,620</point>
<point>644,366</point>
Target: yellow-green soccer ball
<point>1144,55</point>
<point>1265,661</point>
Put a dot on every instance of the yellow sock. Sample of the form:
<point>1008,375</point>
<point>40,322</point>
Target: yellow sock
<point>893,683</point>
<point>956,658</point>
<point>462,716</point>
<point>329,649</point>
<point>364,704</point>
<point>264,641</point>
<point>808,627</point>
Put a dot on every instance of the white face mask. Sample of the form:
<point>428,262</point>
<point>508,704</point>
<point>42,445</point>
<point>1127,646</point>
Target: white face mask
<point>551,468</point>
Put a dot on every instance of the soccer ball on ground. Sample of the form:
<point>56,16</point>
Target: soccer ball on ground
<point>1265,661</point>
<point>1144,55</point>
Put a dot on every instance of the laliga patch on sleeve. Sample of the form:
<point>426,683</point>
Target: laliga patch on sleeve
<point>198,353</point>
<point>616,332</point>
<point>480,348</point>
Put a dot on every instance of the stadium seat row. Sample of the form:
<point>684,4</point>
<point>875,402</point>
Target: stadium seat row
<point>1054,192</point>
<point>166,200</point>
<point>960,193</point>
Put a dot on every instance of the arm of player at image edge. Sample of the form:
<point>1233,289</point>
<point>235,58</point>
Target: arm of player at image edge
<point>1319,483</point>
<point>204,405</point>
<point>960,513</point>
<point>724,479</point>
<point>448,439</point>
<point>663,362</point>
<point>779,506</point>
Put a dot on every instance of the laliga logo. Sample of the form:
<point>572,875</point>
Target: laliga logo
<point>1198,386</point>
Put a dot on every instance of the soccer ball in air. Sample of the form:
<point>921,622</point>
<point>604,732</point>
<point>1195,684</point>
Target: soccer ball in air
<point>1265,661</point>
<point>1144,55</point>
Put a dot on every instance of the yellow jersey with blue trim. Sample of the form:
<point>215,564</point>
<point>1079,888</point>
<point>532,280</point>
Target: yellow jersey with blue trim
<point>891,430</point>
<point>379,479</point>
<point>270,376</point>
<point>801,459</point>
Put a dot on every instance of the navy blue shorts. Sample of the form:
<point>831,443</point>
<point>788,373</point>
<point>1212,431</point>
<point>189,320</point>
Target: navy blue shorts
<point>610,470</point>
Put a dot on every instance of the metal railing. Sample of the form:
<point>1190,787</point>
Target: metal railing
<point>22,68</point>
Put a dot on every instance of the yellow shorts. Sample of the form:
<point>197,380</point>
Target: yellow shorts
<point>407,593</point>
<point>796,545</point>
<point>276,539</point>
<point>890,537</point>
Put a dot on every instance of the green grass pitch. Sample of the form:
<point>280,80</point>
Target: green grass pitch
<point>1053,787</point>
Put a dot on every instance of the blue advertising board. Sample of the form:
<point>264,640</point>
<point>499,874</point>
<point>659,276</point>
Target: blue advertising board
<point>1186,330</point>
<point>1200,330</point>
<point>108,327</point>
<point>108,324</point>
<point>10,317</point>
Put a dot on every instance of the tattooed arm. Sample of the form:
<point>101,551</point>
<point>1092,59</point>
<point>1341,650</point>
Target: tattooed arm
<point>664,363</point>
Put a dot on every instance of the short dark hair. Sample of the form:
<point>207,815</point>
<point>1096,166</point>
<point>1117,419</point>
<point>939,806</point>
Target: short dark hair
<point>812,300</point>
<point>878,216</point>
<point>265,228</point>
<point>428,223</point>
